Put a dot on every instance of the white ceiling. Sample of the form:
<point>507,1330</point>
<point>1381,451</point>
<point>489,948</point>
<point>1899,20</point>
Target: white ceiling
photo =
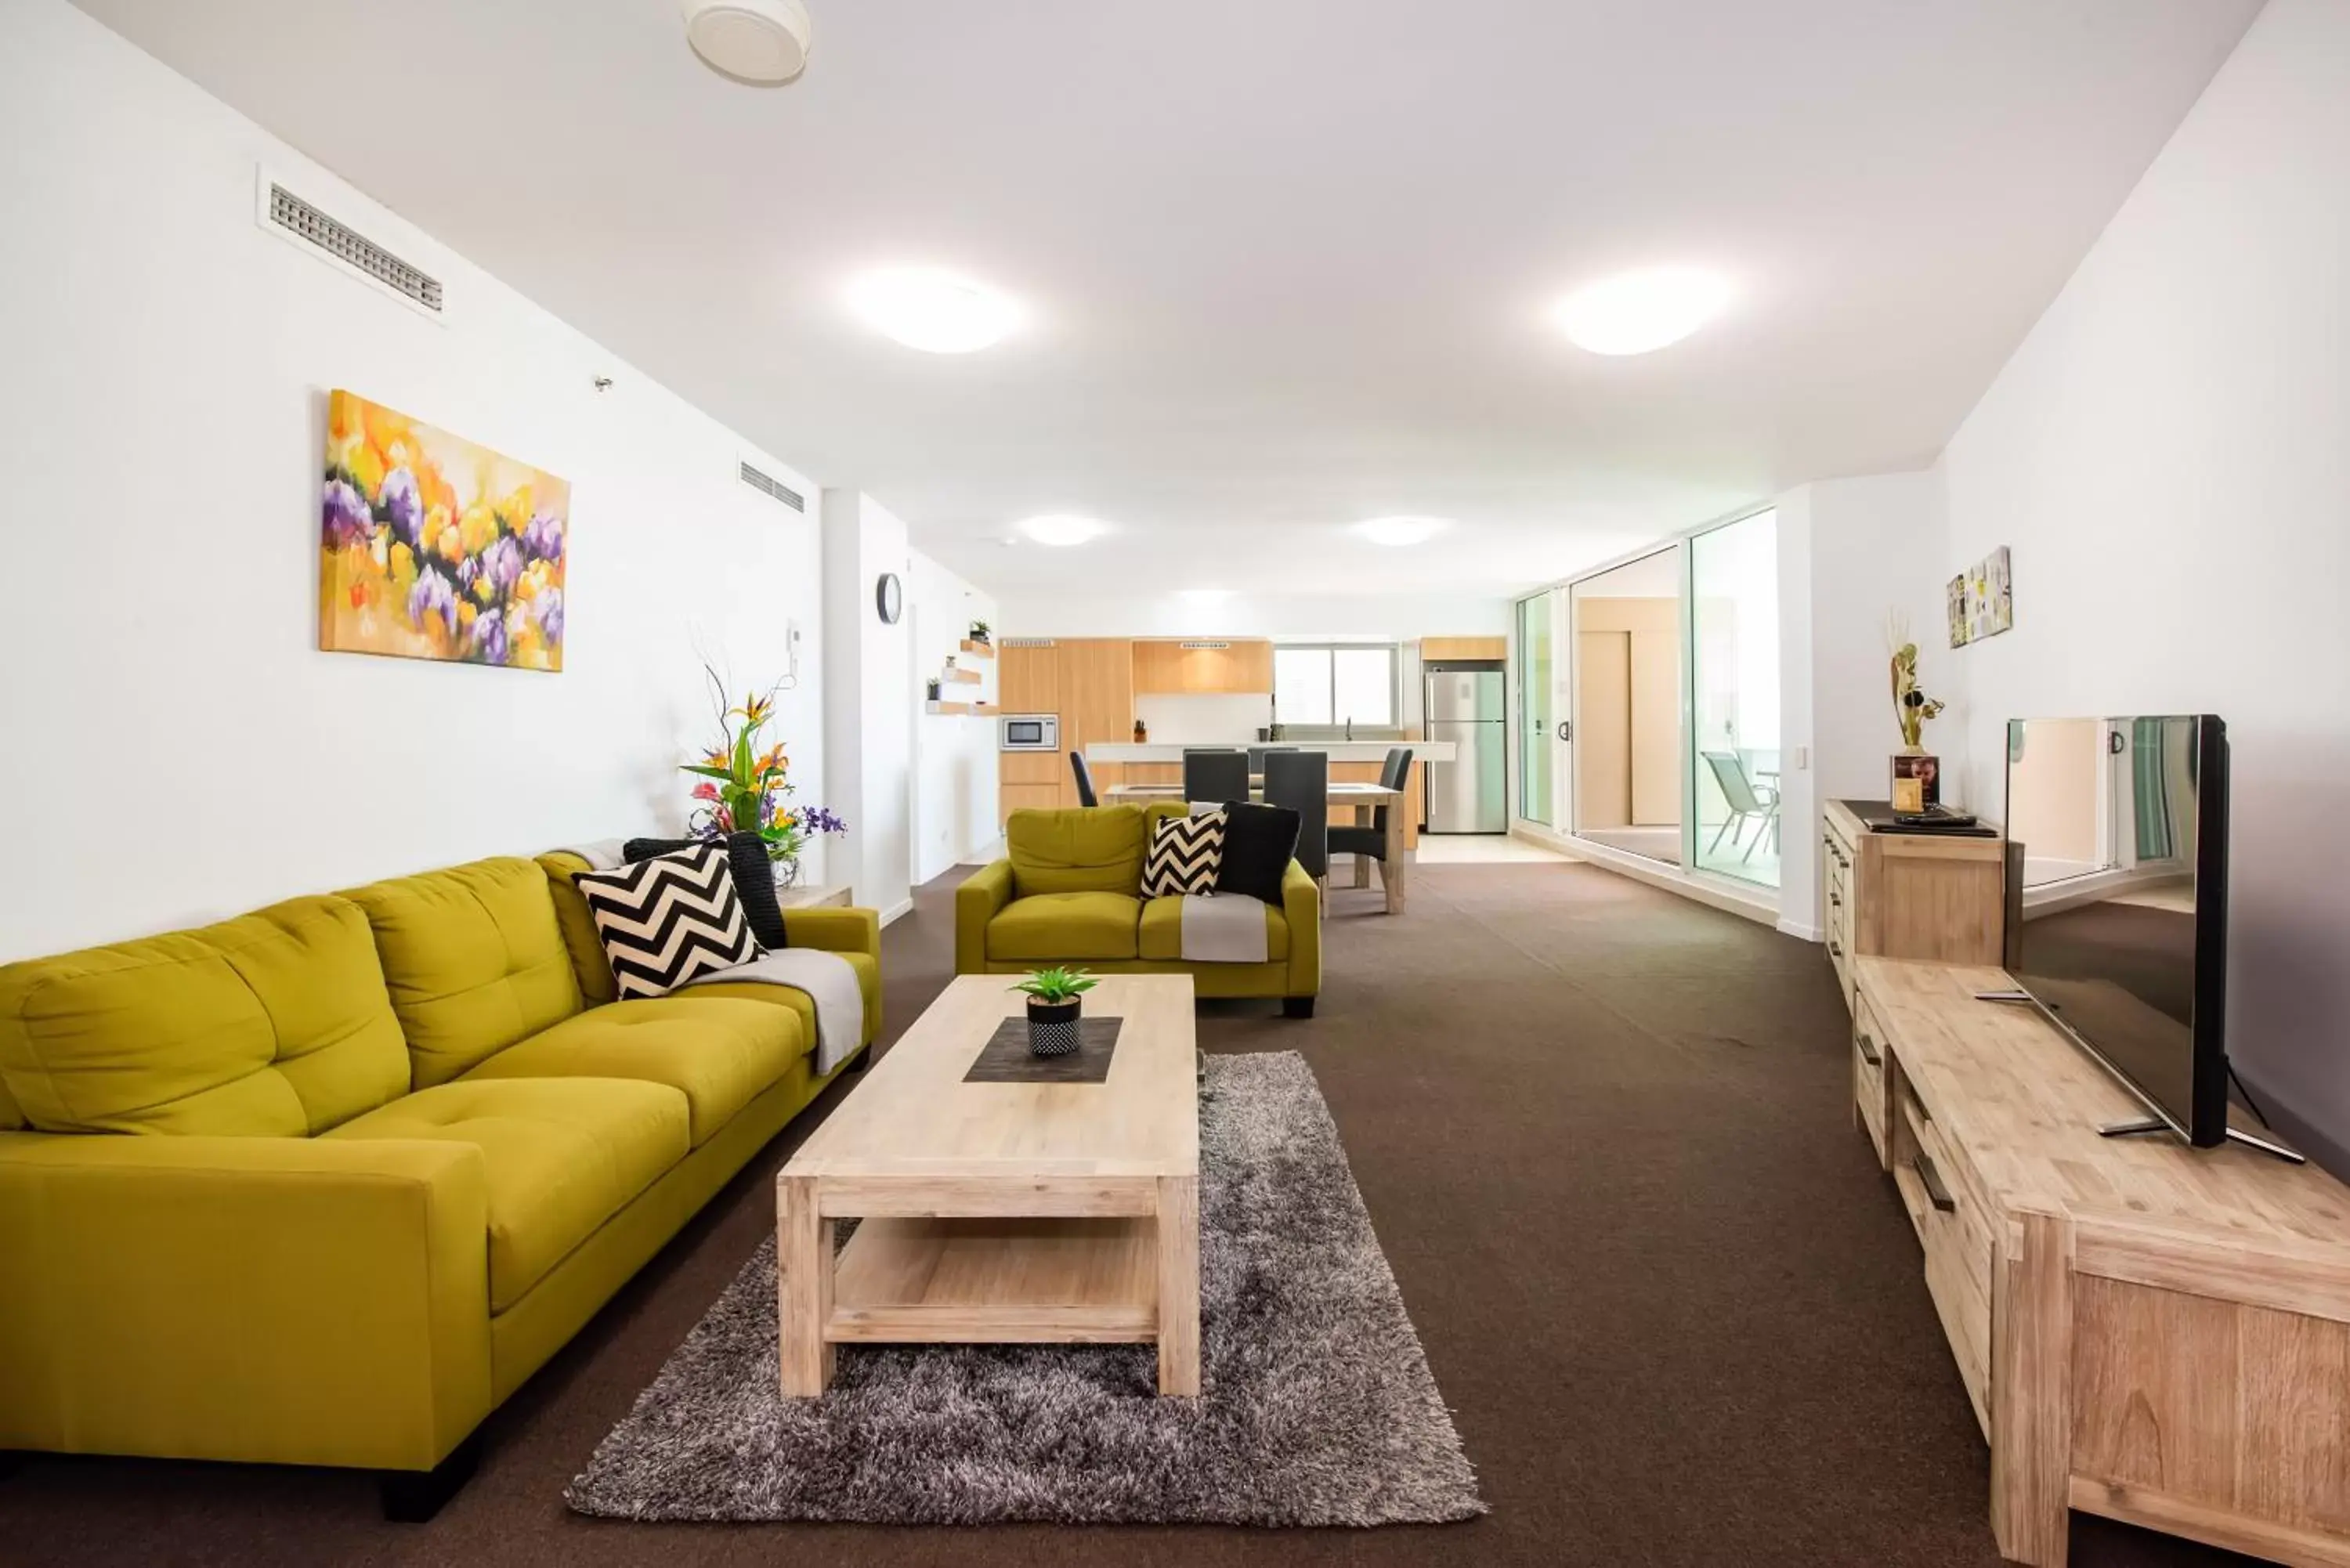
<point>1286,268</point>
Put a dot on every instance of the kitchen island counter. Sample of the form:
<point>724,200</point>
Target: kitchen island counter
<point>1114,752</point>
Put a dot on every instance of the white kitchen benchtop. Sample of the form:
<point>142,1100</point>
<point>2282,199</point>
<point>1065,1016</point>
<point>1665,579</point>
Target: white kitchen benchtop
<point>1340,751</point>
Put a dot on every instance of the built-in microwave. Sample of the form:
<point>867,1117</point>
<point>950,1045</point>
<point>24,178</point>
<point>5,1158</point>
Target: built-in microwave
<point>1032,733</point>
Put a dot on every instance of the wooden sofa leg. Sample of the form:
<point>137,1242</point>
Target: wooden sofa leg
<point>413,1497</point>
<point>1298,1007</point>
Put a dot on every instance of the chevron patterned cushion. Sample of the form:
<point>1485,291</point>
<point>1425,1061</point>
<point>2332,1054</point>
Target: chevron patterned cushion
<point>1185,854</point>
<point>667,920</point>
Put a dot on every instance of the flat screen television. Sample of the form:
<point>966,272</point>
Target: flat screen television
<point>2119,928</point>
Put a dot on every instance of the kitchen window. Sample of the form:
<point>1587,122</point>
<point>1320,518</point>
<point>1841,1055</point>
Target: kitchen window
<point>1335,683</point>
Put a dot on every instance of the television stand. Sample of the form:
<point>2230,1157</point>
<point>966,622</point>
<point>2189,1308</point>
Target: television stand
<point>2235,1135</point>
<point>2150,1332</point>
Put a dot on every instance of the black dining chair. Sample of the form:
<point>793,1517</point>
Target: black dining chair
<point>1219,774</point>
<point>1256,758</point>
<point>1370,843</point>
<point>1301,780</point>
<point>1086,795</point>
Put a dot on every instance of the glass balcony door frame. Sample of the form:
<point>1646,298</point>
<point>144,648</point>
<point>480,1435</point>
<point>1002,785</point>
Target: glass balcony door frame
<point>1536,805</point>
<point>1563,632</point>
<point>1677,547</point>
<point>1692,672</point>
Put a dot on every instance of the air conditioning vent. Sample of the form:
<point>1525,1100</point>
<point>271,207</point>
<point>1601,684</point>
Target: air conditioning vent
<point>1205,645</point>
<point>352,249</point>
<point>1024,642</point>
<point>767,486</point>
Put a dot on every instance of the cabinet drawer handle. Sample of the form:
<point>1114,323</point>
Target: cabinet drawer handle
<point>1834,951</point>
<point>1868,1051</point>
<point>1835,901</point>
<point>1936,1193</point>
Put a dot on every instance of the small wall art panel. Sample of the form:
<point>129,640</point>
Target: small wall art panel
<point>1983,600</point>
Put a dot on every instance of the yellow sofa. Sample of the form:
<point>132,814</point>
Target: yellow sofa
<point>1068,891</point>
<point>325,1183</point>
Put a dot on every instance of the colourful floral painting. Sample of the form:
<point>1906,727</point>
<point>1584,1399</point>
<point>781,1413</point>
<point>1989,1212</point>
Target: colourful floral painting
<point>433,547</point>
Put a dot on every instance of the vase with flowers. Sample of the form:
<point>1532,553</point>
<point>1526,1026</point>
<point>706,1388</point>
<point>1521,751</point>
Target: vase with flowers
<point>744,788</point>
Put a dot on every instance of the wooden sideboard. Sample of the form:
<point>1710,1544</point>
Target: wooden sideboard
<point>1906,895</point>
<point>2148,1331</point>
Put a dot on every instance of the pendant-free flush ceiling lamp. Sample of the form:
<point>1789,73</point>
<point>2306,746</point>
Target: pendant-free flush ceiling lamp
<point>763,42</point>
<point>1637,312</point>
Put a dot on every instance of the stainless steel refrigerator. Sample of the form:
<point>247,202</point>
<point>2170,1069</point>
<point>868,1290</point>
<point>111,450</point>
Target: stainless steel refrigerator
<point>1465,794</point>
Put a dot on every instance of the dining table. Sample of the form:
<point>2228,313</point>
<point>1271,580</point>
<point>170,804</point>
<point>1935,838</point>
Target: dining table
<point>1349,795</point>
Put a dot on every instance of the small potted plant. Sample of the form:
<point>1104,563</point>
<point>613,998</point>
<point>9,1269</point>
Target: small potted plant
<point>979,632</point>
<point>1056,997</point>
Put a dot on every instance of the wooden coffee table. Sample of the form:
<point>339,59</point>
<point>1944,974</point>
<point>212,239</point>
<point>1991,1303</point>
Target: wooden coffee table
<point>997,1213</point>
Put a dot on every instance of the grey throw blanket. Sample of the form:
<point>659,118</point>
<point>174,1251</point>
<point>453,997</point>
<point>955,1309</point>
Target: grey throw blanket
<point>1229,928</point>
<point>601,854</point>
<point>830,981</point>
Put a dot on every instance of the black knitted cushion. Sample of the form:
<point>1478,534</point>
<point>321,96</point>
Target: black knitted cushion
<point>755,879</point>
<point>1260,841</point>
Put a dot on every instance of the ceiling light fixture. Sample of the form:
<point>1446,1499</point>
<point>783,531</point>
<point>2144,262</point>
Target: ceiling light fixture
<point>761,42</point>
<point>1635,312</point>
<point>934,311</point>
<point>1063,530</point>
<point>1397,531</point>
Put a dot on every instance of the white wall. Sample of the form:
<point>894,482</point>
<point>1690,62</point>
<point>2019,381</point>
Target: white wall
<point>1371,618</point>
<point>175,746</point>
<point>870,698</point>
<point>954,755</point>
<point>1851,553</point>
<point>2168,455</point>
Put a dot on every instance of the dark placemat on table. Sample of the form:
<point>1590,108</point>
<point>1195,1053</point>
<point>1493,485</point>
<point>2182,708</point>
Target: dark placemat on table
<point>1006,1058</point>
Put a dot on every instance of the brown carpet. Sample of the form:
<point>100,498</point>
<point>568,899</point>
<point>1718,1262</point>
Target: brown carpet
<point>1603,1135</point>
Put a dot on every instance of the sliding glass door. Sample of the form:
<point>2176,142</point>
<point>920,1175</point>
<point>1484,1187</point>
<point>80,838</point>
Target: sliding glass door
<point>1538,717</point>
<point>1628,772</point>
<point>1647,705</point>
<point>1734,698</point>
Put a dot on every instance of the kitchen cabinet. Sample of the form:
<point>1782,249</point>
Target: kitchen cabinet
<point>1028,680</point>
<point>1203,667</point>
<point>1483,647</point>
<point>1088,683</point>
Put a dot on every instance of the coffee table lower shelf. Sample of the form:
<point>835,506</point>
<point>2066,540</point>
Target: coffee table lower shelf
<point>980,1281</point>
<point>1116,1278</point>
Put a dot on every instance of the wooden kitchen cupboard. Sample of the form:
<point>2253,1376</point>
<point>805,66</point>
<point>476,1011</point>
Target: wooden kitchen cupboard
<point>1097,703</point>
<point>1088,684</point>
<point>1028,679</point>
<point>1237,667</point>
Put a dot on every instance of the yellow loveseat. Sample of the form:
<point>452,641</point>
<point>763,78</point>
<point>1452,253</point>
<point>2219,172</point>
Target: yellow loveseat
<point>323,1184</point>
<point>1068,891</point>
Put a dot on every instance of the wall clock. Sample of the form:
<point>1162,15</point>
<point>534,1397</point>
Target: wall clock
<point>889,599</point>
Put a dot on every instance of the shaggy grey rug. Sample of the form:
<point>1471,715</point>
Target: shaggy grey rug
<point>1317,1406</point>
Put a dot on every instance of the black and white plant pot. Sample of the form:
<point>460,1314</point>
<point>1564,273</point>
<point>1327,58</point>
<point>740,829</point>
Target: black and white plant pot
<point>1053,1027</point>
